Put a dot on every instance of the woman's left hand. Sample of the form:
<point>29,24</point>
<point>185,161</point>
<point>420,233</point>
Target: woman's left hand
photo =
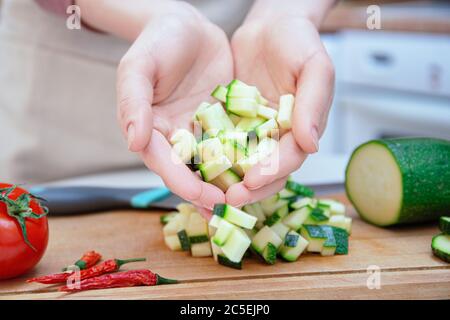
<point>280,55</point>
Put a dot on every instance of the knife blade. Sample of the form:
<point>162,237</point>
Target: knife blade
<point>83,199</point>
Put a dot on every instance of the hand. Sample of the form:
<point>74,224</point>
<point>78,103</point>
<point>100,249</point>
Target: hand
<point>173,65</point>
<point>282,55</point>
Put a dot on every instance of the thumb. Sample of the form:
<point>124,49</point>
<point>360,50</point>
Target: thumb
<point>314,95</point>
<point>134,100</point>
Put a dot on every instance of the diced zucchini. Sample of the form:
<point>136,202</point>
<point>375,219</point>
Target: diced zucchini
<point>286,194</point>
<point>223,232</point>
<point>341,237</point>
<point>173,242</point>
<point>279,214</point>
<point>280,229</point>
<point>184,240</point>
<point>303,202</point>
<point>214,117</point>
<point>226,180</point>
<point>249,124</point>
<point>215,221</point>
<point>239,137</point>
<point>329,246</point>
<point>221,259</point>
<point>220,93</point>
<point>181,135</point>
<point>234,151</point>
<point>247,163</point>
<point>315,236</point>
<point>270,207</point>
<point>212,169</point>
<point>201,107</point>
<point>285,111</point>
<point>266,147</point>
<point>440,244</point>
<point>291,239</point>
<point>341,222</point>
<point>256,212</point>
<point>210,149</point>
<point>263,237</point>
<point>266,129</point>
<point>211,133</point>
<point>197,228</point>
<point>268,204</point>
<point>317,216</point>
<point>336,208</point>
<point>236,245</point>
<point>242,107</point>
<point>234,118</point>
<point>444,225</point>
<point>211,230</point>
<point>185,149</point>
<point>234,215</point>
<point>299,189</point>
<point>242,99</point>
<point>296,218</point>
<point>270,253</point>
<point>201,249</point>
<point>216,250</point>
<point>165,218</point>
<point>291,253</point>
<point>185,208</point>
<point>242,90</point>
<point>262,101</point>
<point>267,112</point>
<point>175,225</point>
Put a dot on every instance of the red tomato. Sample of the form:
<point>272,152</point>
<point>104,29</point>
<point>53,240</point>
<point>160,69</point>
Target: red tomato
<point>16,256</point>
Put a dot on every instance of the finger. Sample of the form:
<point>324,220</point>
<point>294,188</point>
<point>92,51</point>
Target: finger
<point>134,100</point>
<point>239,195</point>
<point>285,159</point>
<point>313,99</point>
<point>158,157</point>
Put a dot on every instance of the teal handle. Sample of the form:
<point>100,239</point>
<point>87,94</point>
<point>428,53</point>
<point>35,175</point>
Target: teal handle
<point>145,199</point>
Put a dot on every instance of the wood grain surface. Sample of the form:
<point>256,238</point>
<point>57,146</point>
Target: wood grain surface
<point>408,269</point>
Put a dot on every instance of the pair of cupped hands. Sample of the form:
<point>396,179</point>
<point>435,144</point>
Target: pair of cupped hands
<point>179,58</point>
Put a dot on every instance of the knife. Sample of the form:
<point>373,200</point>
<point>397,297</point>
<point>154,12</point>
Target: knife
<point>83,199</point>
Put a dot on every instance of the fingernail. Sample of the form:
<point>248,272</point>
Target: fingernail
<point>315,137</point>
<point>130,135</point>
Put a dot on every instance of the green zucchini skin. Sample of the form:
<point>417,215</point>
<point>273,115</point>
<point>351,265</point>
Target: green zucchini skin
<point>439,252</point>
<point>424,164</point>
<point>444,224</point>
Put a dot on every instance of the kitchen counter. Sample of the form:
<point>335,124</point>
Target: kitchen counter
<point>408,268</point>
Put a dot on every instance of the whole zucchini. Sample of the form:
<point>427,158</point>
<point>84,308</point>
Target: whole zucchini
<point>396,181</point>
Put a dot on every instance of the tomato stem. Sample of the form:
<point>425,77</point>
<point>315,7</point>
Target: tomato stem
<point>20,209</point>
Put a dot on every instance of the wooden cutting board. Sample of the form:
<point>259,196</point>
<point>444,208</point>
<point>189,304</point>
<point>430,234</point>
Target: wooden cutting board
<point>408,270</point>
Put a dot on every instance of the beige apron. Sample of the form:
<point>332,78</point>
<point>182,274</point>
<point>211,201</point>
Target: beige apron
<point>57,93</point>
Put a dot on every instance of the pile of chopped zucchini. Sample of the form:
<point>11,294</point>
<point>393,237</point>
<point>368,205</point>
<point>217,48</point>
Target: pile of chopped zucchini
<point>238,130</point>
<point>285,225</point>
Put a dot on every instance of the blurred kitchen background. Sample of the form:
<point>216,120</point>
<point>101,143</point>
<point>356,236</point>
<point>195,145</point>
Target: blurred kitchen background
<point>390,82</point>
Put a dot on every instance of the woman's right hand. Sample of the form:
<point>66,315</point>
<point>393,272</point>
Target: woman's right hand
<point>171,67</point>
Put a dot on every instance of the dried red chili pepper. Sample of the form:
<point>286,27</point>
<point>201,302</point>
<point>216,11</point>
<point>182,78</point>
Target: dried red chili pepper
<point>121,279</point>
<point>88,260</point>
<point>107,266</point>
